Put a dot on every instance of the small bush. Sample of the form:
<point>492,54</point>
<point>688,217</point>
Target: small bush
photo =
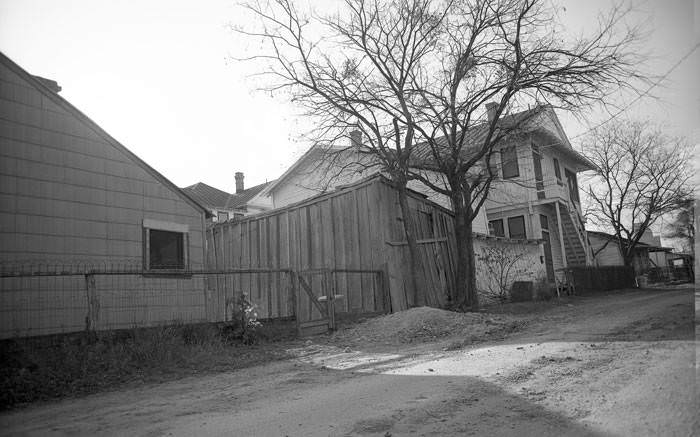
<point>243,324</point>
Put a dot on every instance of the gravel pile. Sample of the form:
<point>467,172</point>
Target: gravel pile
<point>424,324</point>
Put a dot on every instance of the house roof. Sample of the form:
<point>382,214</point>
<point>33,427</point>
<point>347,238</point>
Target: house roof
<point>611,237</point>
<point>475,136</point>
<point>214,198</point>
<point>50,90</point>
<point>529,120</point>
<point>290,171</point>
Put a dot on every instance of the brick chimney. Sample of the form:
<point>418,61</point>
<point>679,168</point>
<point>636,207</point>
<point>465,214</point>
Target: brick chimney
<point>355,138</point>
<point>491,110</point>
<point>239,182</point>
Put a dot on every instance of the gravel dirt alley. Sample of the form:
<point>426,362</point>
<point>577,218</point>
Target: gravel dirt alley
<point>611,365</point>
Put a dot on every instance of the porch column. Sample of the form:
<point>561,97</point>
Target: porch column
<point>561,233</point>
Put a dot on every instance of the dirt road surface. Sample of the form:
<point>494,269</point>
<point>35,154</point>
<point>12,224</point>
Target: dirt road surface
<point>614,365</point>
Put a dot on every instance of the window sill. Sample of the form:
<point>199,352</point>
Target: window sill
<point>167,274</point>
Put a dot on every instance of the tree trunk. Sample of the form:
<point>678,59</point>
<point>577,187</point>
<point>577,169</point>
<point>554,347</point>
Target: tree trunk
<point>472,298</point>
<point>409,229</point>
<point>465,296</point>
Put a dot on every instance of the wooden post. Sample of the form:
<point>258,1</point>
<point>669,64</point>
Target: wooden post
<point>93,305</point>
<point>330,298</point>
<point>294,299</point>
<point>386,298</point>
<point>561,234</point>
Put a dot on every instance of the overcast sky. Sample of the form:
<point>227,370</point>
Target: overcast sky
<point>156,75</point>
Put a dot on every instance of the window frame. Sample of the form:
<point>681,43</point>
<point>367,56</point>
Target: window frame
<point>157,225</point>
<point>510,233</point>
<point>219,214</point>
<point>505,162</point>
<point>557,171</point>
<point>572,185</point>
<point>492,228</point>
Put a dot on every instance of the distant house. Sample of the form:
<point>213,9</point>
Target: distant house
<point>607,252</point>
<point>535,195</point>
<point>74,200</point>
<point>224,206</point>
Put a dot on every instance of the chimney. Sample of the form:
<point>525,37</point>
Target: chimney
<point>239,182</point>
<point>491,110</point>
<point>355,138</point>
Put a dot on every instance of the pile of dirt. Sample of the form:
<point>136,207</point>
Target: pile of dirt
<point>426,324</point>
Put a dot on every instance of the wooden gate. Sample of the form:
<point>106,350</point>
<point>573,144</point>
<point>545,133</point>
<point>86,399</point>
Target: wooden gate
<point>318,301</point>
<point>315,297</point>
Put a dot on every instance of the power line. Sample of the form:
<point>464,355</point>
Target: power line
<point>651,87</point>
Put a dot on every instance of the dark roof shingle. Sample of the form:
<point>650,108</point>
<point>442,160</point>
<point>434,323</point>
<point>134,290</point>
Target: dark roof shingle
<point>214,198</point>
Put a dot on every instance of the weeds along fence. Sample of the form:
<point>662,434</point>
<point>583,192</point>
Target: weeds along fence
<point>43,298</point>
<point>52,298</point>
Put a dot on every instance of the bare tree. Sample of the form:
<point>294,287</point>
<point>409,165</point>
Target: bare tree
<point>350,73</point>
<point>682,226</point>
<point>507,55</point>
<point>642,174</point>
<point>414,77</point>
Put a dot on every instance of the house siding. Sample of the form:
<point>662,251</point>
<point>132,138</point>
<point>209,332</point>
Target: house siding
<point>68,195</point>
<point>311,179</point>
<point>321,172</point>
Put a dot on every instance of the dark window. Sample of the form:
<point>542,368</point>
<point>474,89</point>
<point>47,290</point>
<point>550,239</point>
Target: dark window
<point>166,250</point>
<point>573,185</point>
<point>221,216</point>
<point>557,170</point>
<point>509,163</point>
<point>496,228</point>
<point>516,227</point>
<point>544,222</point>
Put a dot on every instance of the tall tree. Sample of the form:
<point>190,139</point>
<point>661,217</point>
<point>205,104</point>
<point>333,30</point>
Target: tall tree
<point>415,75</point>
<point>350,73</point>
<point>641,175</point>
<point>682,225</point>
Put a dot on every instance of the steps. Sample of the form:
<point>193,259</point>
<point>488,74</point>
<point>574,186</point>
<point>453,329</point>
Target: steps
<point>574,248</point>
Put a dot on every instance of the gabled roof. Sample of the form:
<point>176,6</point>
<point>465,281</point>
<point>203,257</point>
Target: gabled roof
<point>640,244</point>
<point>46,87</point>
<point>422,156</point>
<point>475,136</point>
<point>213,198</point>
<point>529,120</point>
<point>290,171</point>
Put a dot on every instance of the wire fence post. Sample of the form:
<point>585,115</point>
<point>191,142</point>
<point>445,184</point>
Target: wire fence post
<point>93,304</point>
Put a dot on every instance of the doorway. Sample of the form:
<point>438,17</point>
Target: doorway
<point>548,261</point>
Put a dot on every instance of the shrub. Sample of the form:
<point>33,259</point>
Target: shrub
<point>243,324</point>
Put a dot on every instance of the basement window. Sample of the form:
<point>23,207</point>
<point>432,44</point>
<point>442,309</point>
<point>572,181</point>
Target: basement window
<point>165,246</point>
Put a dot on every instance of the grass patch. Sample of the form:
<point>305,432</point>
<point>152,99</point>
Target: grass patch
<point>53,367</point>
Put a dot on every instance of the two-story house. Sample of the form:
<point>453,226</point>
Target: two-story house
<point>535,194</point>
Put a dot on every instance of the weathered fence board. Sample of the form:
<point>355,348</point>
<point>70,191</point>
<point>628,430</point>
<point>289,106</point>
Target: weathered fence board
<point>344,230</point>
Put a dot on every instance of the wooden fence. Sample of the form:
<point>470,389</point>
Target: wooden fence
<point>353,229</point>
<point>595,279</point>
